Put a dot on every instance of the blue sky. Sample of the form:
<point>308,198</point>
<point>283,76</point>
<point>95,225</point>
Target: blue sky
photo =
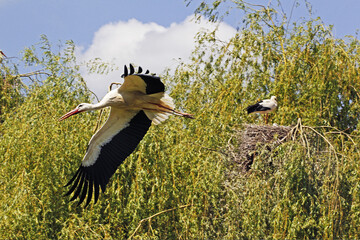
<point>22,21</point>
<point>152,32</point>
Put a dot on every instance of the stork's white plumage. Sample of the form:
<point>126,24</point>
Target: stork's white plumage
<point>264,107</point>
<point>139,102</point>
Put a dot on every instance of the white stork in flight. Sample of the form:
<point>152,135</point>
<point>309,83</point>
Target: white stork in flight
<point>264,107</point>
<point>137,103</point>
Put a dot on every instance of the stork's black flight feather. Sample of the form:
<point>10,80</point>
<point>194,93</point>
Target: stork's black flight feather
<point>88,179</point>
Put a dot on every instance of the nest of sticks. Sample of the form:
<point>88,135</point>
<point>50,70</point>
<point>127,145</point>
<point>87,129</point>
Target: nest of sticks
<point>254,137</point>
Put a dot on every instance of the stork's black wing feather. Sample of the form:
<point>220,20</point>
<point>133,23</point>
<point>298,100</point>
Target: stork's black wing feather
<point>132,70</point>
<point>125,71</point>
<point>112,154</point>
<point>153,83</point>
<point>257,108</point>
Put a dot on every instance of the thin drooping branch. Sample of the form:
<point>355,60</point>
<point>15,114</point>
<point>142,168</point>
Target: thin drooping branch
<point>39,72</point>
<point>157,214</point>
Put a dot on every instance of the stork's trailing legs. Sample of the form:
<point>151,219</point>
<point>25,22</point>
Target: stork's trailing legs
<point>164,109</point>
<point>187,115</point>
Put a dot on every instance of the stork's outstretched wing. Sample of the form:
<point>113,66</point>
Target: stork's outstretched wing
<point>107,149</point>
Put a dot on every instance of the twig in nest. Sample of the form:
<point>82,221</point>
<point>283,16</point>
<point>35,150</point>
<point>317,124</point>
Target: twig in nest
<point>251,137</point>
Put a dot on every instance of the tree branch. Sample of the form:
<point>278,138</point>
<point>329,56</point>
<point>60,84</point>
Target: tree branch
<point>156,214</point>
<point>32,73</point>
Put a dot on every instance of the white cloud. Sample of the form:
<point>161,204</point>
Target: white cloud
<point>149,45</point>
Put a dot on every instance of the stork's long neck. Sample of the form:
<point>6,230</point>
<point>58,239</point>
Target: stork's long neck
<point>99,105</point>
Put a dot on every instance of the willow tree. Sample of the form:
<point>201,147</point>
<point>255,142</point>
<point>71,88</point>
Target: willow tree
<point>312,192</point>
<point>35,149</point>
<point>314,74</point>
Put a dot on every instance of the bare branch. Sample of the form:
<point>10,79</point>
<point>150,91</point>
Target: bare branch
<point>39,72</point>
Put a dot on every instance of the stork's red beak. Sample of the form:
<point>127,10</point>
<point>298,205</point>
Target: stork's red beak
<point>69,114</point>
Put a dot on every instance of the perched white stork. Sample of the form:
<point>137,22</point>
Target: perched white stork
<point>137,103</point>
<point>264,107</point>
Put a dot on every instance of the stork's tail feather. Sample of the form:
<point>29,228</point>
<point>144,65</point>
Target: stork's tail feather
<point>156,117</point>
<point>167,102</point>
<point>252,108</point>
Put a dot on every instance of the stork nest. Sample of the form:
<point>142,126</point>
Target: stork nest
<point>254,137</point>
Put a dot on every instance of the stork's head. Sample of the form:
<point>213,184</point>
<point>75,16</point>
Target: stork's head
<point>273,98</point>
<point>82,107</point>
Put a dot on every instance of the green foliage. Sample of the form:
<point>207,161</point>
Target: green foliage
<point>35,148</point>
<point>176,184</point>
<point>10,87</point>
<point>300,190</point>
